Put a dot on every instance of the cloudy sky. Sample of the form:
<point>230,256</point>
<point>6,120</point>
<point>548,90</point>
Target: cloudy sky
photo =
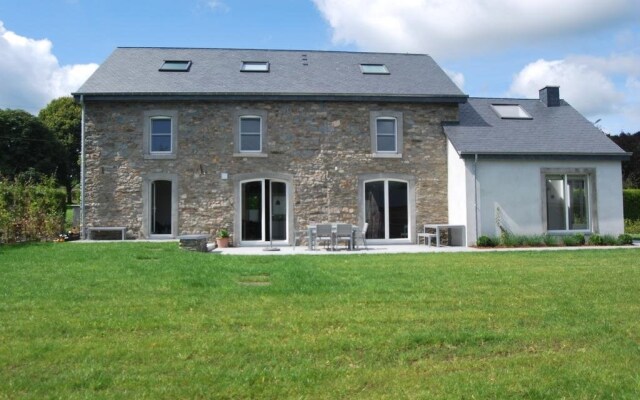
<point>490,48</point>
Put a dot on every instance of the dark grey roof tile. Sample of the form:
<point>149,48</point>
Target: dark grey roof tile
<point>135,71</point>
<point>553,130</point>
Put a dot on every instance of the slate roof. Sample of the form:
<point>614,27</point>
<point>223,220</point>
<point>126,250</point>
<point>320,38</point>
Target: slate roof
<point>216,72</point>
<point>552,131</point>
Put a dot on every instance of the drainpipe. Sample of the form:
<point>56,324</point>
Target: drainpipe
<point>475,193</point>
<point>82,173</point>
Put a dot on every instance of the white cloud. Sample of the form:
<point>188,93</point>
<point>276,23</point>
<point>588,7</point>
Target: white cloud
<point>445,28</point>
<point>457,78</point>
<point>216,5</point>
<point>595,86</point>
<point>30,75</point>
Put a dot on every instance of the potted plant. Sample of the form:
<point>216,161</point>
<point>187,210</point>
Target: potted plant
<point>222,238</point>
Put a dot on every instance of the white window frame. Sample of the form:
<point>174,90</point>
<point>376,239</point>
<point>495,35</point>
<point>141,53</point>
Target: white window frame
<point>241,133</point>
<point>411,204</point>
<point>567,202</point>
<point>250,113</point>
<point>395,135</point>
<point>153,135</point>
<point>149,116</point>
<point>374,117</point>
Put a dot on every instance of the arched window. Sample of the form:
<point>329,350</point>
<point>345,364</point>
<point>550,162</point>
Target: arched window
<point>386,209</point>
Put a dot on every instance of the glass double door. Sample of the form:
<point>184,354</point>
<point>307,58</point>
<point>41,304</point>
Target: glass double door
<point>387,209</point>
<point>264,205</point>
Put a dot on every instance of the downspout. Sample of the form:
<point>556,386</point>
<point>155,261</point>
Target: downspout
<point>82,173</point>
<point>475,193</point>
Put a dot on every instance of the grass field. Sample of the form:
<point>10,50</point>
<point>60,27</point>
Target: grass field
<point>146,320</point>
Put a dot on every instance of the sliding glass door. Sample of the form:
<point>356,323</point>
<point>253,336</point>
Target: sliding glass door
<point>567,200</point>
<point>386,209</point>
<point>264,211</point>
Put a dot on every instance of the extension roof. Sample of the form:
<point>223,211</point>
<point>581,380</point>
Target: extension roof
<point>551,131</point>
<point>293,74</point>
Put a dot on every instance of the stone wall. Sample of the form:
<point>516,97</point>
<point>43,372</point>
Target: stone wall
<point>324,146</point>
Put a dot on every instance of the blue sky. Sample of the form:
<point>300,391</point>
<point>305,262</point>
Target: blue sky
<point>491,48</point>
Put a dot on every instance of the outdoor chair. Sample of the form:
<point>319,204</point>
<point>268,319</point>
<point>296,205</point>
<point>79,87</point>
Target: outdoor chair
<point>344,232</point>
<point>324,233</point>
<point>298,237</point>
<point>362,235</point>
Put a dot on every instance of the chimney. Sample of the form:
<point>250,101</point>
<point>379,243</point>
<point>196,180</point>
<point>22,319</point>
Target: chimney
<point>550,96</point>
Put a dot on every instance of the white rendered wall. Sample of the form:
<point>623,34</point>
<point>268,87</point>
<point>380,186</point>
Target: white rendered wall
<point>457,200</point>
<point>514,187</point>
<point>461,198</point>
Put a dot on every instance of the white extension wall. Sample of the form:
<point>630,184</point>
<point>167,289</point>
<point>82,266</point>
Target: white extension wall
<point>515,188</point>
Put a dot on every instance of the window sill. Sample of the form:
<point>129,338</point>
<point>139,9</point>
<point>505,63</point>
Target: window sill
<point>258,155</point>
<point>570,232</point>
<point>160,156</point>
<point>386,155</point>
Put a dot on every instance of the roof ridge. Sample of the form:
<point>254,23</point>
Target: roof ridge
<point>271,50</point>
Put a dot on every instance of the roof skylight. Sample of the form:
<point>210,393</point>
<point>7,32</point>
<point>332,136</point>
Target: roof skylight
<point>255,66</point>
<point>176,65</point>
<point>510,111</point>
<point>379,69</point>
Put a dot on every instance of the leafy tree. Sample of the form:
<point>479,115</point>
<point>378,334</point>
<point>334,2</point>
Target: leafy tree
<point>27,146</point>
<point>630,169</point>
<point>63,118</point>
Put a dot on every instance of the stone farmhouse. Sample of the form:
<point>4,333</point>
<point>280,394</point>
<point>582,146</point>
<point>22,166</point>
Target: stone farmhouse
<point>265,142</point>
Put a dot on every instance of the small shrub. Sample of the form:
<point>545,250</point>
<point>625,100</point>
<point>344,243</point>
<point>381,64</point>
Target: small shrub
<point>609,240</point>
<point>510,240</point>
<point>573,240</point>
<point>550,240</point>
<point>534,240</point>
<point>580,239</point>
<point>486,241</point>
<point>625,239</point>
<point>595,240</point>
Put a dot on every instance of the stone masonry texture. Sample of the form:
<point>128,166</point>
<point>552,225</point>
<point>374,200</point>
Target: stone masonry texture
<point>324,146</point>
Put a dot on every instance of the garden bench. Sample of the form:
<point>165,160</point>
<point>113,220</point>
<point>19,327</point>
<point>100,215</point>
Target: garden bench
<point>93,229</point>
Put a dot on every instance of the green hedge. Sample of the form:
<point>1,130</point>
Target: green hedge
<point>30,211</point>
<point>631,201</point>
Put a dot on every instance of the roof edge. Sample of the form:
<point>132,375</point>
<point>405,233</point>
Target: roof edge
<point>273,97</point>
<point>623,156</point>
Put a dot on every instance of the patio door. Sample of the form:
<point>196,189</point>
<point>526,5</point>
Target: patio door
<point>161,207</point>
<point>264,211</point>
<point>386,209</point>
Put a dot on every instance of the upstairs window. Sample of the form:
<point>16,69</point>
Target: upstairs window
<point>176,66</point>
<point>255,66</point>
<point>376,69</point>
<point>161,135</point>
<point>250,133</point>
<point>510,111</point>
<point>386,135</point>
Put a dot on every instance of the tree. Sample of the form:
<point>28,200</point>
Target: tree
<point>28,147</point>
<point>630,169</point>
<point>63,117</point>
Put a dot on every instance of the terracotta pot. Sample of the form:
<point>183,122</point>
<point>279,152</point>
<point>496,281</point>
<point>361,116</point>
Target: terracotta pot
<point>222,242</point>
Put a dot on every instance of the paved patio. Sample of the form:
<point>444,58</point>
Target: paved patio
<point>393,249</point>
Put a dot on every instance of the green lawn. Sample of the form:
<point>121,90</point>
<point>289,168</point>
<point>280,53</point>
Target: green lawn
<point>145,320</point>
